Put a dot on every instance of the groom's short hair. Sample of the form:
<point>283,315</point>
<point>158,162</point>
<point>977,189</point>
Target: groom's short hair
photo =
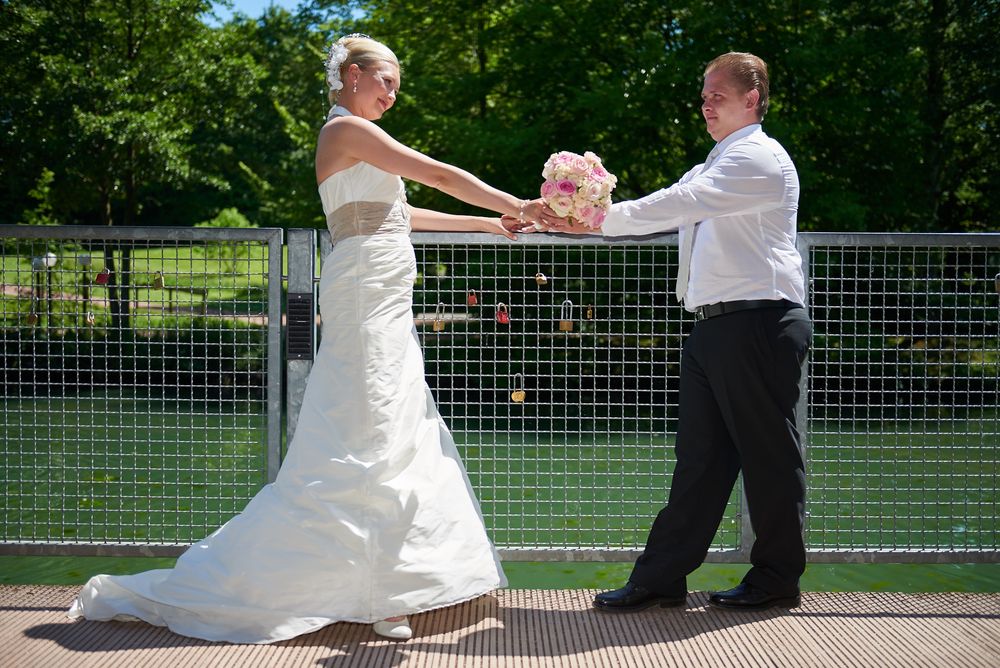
<point>748,72</point>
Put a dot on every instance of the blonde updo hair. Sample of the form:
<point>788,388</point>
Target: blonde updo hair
<point>362,51</point>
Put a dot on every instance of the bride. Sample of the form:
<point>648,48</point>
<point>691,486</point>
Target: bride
<point>371,517</point>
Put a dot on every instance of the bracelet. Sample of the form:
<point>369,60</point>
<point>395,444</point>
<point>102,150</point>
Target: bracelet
<point>520,212</point>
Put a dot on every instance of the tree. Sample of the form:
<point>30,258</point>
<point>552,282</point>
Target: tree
<point>110,94</point>
<point>887,108</point>
<point>273,137</point>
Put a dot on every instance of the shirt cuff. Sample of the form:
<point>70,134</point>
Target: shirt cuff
<point>616,223</point>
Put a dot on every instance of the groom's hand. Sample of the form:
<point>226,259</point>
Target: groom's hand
<point>570,226</point>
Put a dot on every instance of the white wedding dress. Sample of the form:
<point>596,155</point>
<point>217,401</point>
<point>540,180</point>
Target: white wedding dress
<point>372,514</point>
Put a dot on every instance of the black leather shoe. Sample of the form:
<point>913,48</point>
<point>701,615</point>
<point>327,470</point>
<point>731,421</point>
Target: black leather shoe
<point>745,596</point>
<point>632,598</point>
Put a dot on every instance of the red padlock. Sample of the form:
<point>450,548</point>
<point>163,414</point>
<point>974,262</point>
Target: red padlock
<point>472,299</point>
<point>502,316</point>
<point>104,276</point>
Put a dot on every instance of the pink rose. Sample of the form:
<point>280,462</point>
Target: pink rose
<point>598,218</point>
<point>579,164</point>
<point>550,189</point>
<point>566,187</point>
<point>562,158</point>
<point>599,172</point>
<point>594,191</point>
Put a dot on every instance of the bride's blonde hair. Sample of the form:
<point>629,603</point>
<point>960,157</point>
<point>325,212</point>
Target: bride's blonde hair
<point>360,50</point>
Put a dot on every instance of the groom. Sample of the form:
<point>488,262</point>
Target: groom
<point>739,272</point>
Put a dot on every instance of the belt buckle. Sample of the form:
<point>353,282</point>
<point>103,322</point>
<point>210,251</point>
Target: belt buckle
<point>699,313</point>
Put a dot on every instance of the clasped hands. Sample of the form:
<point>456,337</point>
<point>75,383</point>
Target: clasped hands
<point>539,217</point>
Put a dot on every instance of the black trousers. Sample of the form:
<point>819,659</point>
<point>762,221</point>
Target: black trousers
<point>739,388</point>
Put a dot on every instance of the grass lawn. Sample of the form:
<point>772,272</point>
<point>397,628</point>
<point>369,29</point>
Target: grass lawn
<point>216,279</point>
<point>544,575</point>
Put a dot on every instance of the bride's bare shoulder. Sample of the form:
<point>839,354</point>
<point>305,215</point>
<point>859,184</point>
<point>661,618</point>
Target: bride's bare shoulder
<point>348,125</point>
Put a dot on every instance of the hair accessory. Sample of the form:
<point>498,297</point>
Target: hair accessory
<point>334,59</point>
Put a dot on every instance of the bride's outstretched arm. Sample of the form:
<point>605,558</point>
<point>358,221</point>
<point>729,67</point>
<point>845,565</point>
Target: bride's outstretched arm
<point>426,220</point>
<point>346,141</point>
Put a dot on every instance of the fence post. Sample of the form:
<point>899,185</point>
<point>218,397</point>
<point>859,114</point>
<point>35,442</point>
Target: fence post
<point>274,253</point>
<point>300,327</point>
<point>802,408</point>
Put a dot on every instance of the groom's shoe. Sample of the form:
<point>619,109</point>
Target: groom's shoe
<point>632,598</point>
<point>745,596</point>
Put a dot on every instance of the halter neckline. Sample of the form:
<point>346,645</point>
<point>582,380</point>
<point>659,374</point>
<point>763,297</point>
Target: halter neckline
<point>338,110</point>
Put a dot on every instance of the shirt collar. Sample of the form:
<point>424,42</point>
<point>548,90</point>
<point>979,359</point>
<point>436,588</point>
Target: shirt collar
<point>339,110</point>
<point>735,136</point>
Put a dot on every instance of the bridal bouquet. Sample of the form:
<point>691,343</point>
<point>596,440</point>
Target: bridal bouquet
<point>578,186</point>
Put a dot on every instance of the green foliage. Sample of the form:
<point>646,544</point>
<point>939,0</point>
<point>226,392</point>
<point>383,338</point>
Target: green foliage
<point>111,97</point>
<point>147,115</point>
<point>42,213</point>
<point>228,252</point>
<point>888,109</point>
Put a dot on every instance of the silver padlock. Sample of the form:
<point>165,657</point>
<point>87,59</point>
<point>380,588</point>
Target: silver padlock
<point>438,325</point>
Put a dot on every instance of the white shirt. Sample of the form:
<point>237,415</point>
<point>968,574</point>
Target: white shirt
<point>747,202</point>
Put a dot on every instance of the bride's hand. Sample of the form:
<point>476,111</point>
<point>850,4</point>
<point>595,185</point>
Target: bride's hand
<point>542,217</point>
<point>508,225</point>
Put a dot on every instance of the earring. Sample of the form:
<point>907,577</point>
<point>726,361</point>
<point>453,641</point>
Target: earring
<point>355,85</point>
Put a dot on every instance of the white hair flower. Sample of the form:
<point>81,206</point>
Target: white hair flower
<point>336,57</point>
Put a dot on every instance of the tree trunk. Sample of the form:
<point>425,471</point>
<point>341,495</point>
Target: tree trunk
<point>935,111</point>
<point>481,56</point>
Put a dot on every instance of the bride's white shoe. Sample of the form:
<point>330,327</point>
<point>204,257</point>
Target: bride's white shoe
<point>398,630</point>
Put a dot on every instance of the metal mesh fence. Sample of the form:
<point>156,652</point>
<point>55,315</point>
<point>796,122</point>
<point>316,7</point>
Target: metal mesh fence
<point>136,382</point>
<point>904,410</point>
<point>148,425</point>
<point>587,331</point>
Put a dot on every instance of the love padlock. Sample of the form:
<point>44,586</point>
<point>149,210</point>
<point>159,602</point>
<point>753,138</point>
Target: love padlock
<point>590,312</point>
<point>438,325</point>
<point>472,299</point>
<point>518,395</point>
<point>32,318</point>
<point>104,276</point>
<point>541,279</point>
<point>90,318</point>
<point>566,316</point>
<point>503,317</point>
<point>158,281</point>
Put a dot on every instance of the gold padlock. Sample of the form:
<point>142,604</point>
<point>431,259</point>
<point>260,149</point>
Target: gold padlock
<point>541,279</point>
<point>518,395</point>
<point>590,312</point>
<point>90,318</point>
<point>158,281</point>
<point>32,318</point>
<point>566,316</point>
<point>438,325</point>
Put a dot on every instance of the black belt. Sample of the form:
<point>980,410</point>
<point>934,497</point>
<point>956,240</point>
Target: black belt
<point>721,308</point>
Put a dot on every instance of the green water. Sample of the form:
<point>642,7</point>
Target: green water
<point>113,468</point>
<point>543,575</point>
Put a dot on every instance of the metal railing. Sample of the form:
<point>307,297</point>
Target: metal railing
<point>140,395</point>
<point>903,438</point>
<point>900,422</point>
